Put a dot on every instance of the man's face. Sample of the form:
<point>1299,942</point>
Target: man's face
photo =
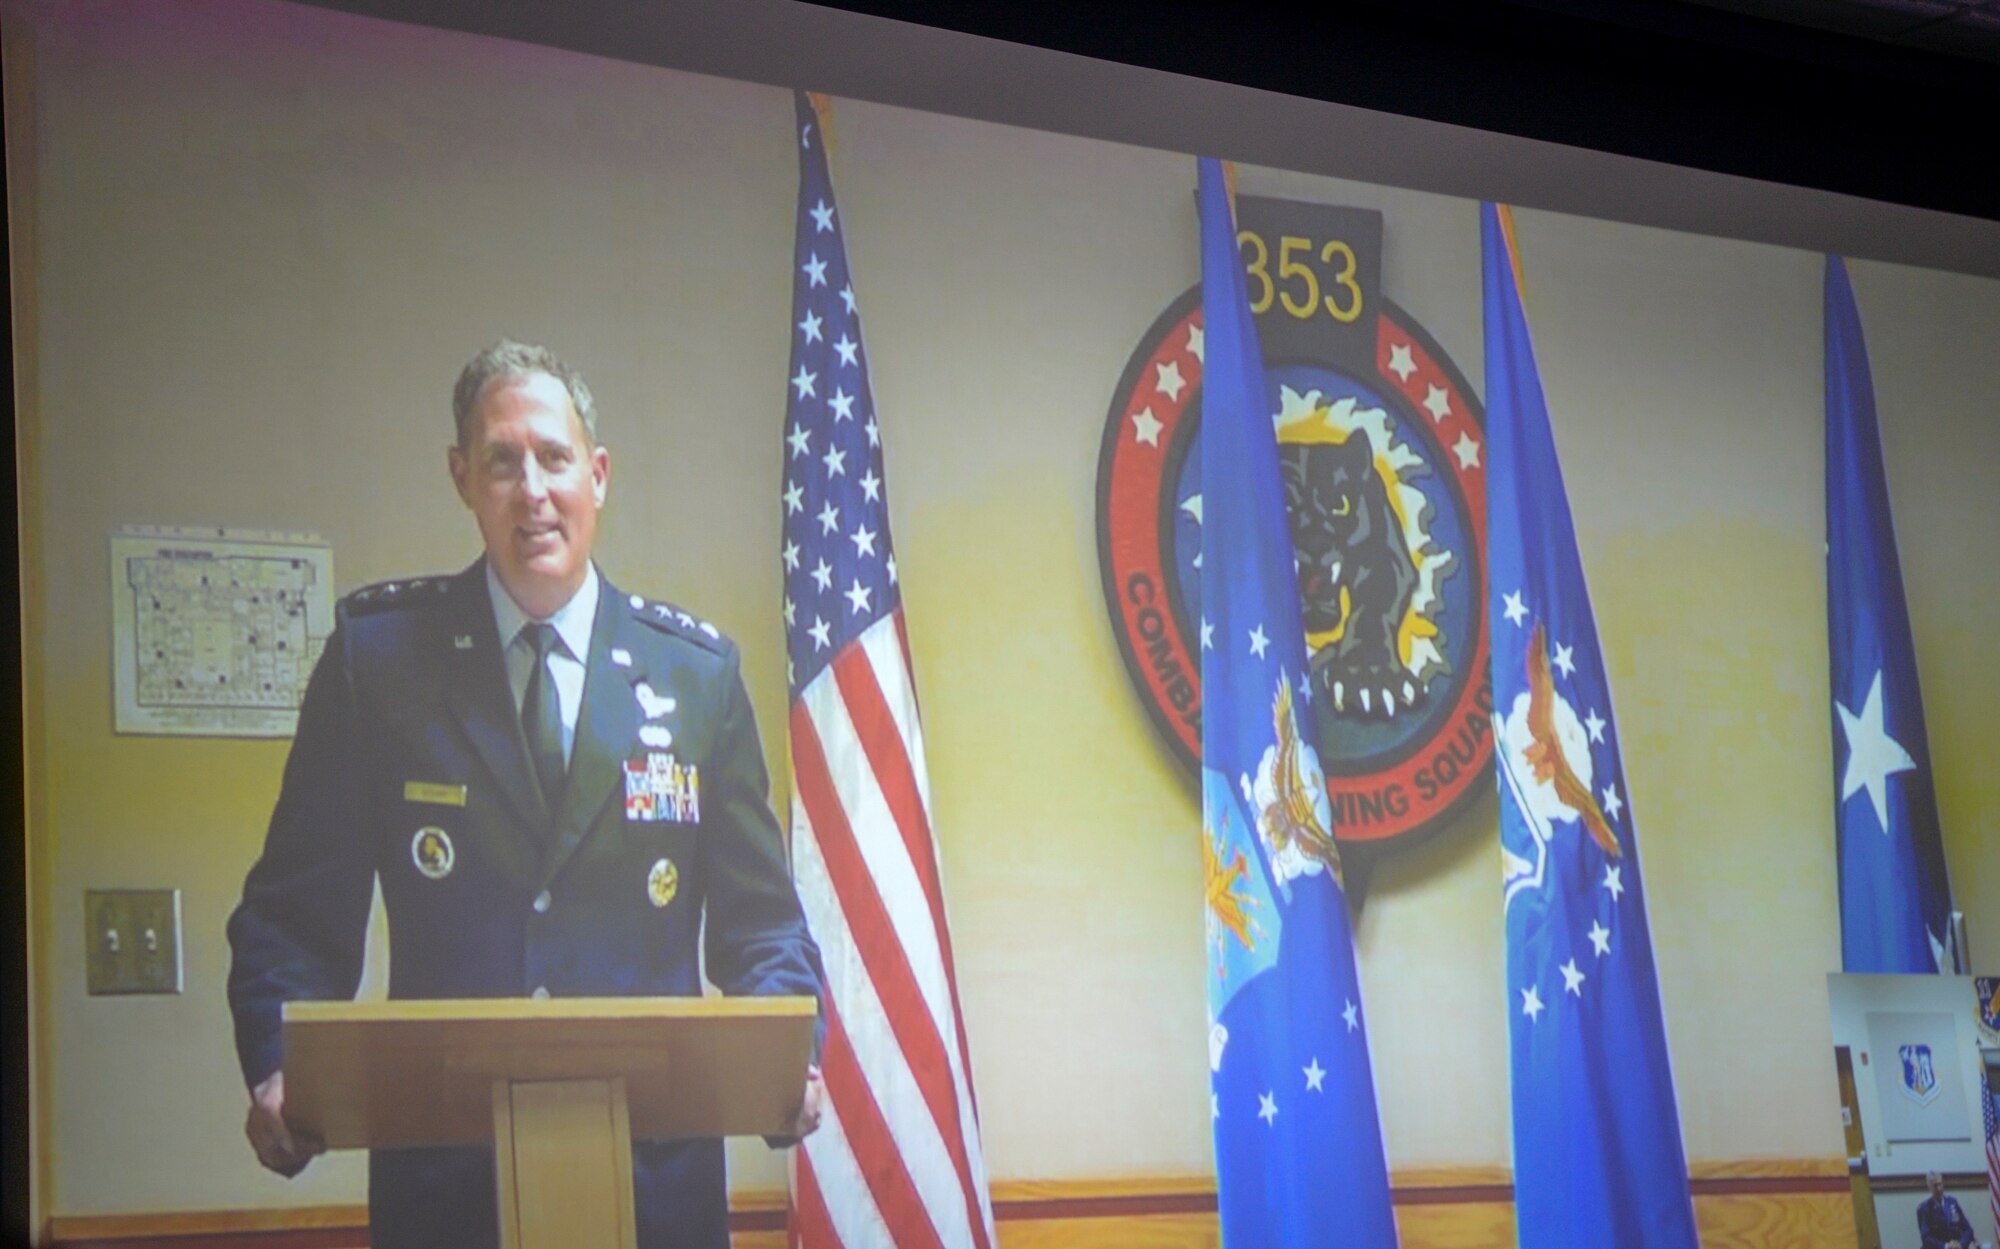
<point>1936,1185</point>
<point>534,481</point>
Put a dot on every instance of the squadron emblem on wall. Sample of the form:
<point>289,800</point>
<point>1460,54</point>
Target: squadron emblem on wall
<point>1381,444</point>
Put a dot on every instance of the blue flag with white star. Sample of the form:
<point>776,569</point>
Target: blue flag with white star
<point>1298,1143</point>
<point>1895,898</point>
<point>1598,1158</point>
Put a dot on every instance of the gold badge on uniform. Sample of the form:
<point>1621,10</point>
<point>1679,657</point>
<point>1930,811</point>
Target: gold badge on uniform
<point>663,882</point>
<point>432,792</point>
<point>431,851</point>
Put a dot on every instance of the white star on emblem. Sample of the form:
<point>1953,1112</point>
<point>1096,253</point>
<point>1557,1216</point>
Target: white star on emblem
<point>842,404</point>
<point>1516,611</point>
<point>857,594</point>
<point>1197,343</point>
<point>1207,636</point>
<point>794,499</point>
<point>846,347</point>
<point>822,217</point>
<point>836,462</point>
<point>892,570</point>
<point>1170,383</point>
<point>829,518</point>
<point>790,613</point>
<point>1594,724</point>
<point>804,381</point>
<point>1314,1075</point>
<point>874,438</point>
<point>1267,1108</point>
<point>1258,641</point>
<point>1467,451</point>
<point>1531,1002</point>
<point>1613,804</point>
<point>1146,427</point>
<point>1611,882</point>
<point>819,634</point>
<point>871,487</point>
<point>1564,660</point>
<point>823,574</point>
<point>1400,362</point>
<point>864,541</point>
<point>792,556</point>
<point>1437,403</point>
<point>1572,978</point>
<point>1872,755</point>
<point>810,327</point>
<point>847,297</point>
<point>1600,938</point>
<point>815,271</point>
<point>1192,506</point>
<point>1351,1015</point>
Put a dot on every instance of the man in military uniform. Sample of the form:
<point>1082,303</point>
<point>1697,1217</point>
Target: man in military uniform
<point>553,783</point>
<point>1941,1221</point>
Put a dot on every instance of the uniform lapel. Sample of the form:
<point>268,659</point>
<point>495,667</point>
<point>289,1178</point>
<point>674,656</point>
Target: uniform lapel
<point>607,727</point>
<point>479,698</point>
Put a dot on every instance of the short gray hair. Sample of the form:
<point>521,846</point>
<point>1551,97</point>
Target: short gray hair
<point>509,359</point>
<point>1932,1177</point>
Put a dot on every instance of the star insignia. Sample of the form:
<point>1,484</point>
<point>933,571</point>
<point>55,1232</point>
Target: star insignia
<point>1565,659</point>
<point>1516,611</point>
<point>1531,1003</point>
<point>1258,641</point>
<point>810,327</point>
<point>805,382</point>
<point>1400,362</point>
<point>829,518</point>
<point>1600,938</point>
<point>1613,804</point>
<point>792,555</point>
<point>846,347</point>
<point>1466,450</point>
<point>1170,383</point>
<point>1572,978</point>
<point>1197,343</point>
<point>1267,1108</point>
<point>1315,1075</point>
<point>1437,403</point>
<point>823,574</point>
<point>819,632</point>
<point>1613,883</point>
<point>847,297</point>
<point>1594,725</point>
<point>871,487</point>
<point>857,594</point>
<point>822,216</point>
<point>1872,755</point>
<point>864,541</point>
<point>815,271</point>
<point>842,404</point>
<point>1351,1015</point>
<point>836,462</point>
<point>795,499</point>
<point>1146,427</point>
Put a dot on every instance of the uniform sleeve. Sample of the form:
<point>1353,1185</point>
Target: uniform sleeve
<point>758,942</point>
<point>301,928</point>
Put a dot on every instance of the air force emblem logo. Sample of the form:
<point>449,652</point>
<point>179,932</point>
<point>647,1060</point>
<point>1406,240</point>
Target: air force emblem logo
<point>1381,444</point>
<point>1920,1082</point>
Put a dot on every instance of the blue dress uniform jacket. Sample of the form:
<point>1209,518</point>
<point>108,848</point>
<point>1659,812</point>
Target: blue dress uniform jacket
<point>499,896</point>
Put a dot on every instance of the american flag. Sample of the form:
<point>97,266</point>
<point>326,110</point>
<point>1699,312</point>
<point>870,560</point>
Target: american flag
<point>896,1160</point>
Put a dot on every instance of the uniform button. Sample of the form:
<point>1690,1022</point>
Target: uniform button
<point>541,993</point>
<point>542,901</point>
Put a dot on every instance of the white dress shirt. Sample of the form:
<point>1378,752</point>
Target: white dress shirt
<point>573,622</point>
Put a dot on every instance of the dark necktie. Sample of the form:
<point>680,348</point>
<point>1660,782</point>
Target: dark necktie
<point>541,715</point>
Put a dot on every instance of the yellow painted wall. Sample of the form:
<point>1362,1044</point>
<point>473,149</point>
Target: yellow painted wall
<point>267,237</point>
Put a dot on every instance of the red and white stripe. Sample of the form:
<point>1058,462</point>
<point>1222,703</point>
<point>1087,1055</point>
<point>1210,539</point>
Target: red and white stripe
<point>896,1160</point>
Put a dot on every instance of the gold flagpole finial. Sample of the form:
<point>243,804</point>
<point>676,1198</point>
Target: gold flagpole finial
<point>1506,213</point>
<point>822,105</point>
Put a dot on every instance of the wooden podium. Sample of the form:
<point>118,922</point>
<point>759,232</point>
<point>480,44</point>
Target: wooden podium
<point>560,1087</point>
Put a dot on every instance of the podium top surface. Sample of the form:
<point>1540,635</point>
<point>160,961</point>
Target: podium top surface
<point>421,1072</point>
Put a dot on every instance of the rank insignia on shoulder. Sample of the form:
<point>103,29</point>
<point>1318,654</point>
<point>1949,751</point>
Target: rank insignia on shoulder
<point>663,882</point>
<point>659,790</point>
<point>431,851</point>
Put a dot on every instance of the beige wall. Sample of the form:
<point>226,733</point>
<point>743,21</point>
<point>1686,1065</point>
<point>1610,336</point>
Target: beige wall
<point>267,237</point>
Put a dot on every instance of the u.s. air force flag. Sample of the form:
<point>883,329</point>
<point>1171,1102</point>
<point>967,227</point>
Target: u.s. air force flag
<point>1298,1144</point>
<point>1598,1158</point>
<point>1895,898</point>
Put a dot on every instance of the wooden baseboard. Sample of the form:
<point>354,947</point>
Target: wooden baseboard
<point>1740,1204</point>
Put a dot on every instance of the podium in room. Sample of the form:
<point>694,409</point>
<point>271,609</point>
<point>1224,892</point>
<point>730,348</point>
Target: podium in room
<point>559,1087</point>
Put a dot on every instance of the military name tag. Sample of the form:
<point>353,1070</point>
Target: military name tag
<point>437,795</point>
<point>660,790</point>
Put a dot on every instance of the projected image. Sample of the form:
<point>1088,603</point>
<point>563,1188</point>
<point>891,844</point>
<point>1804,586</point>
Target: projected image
<point>1244,700</point>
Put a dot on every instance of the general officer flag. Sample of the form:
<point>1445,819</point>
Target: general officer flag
<point>896,1160</point>
<point>1298,1144</point>
<point>1598,1158</point>
<point>1895,897</point>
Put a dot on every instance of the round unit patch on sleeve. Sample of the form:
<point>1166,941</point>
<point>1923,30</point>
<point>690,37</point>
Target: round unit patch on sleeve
<point>431,851</point>
<point>663,882</point>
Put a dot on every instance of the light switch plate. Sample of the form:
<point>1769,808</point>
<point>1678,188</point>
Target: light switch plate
<point>132,940</point>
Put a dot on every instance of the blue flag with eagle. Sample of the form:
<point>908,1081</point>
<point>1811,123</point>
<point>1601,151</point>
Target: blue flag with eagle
<point>1895,898</point>
<point>1598,1158</point>
<point>1298,1144</point>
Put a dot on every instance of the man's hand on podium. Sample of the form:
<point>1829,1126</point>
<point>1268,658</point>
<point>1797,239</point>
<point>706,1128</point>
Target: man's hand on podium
<point>277,1146</point>
<point>807,1118</point>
